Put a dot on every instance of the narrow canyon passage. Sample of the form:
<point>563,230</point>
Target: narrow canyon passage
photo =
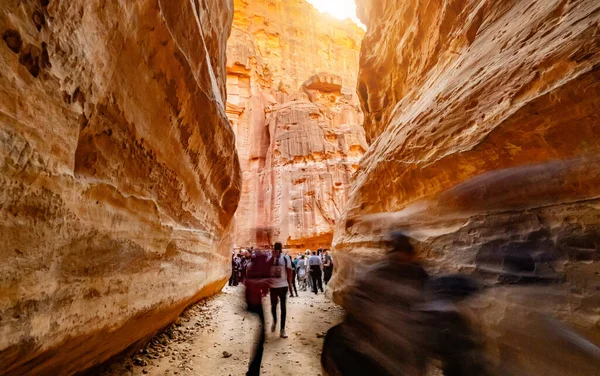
<point>145,145</point>
<point>217,336</point>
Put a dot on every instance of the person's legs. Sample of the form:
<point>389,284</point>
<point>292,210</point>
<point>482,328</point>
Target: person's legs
<point>313,276</point>
<point>290,285</point>
<point>319,279</point>
<point>294,283</point>
<point>327,277</point>
<point>282,297</point>
<point>273,295</point>
<point>254,367</point>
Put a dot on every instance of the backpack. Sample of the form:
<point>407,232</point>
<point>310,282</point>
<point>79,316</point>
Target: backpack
<point>259,266</point>
<point>275,272</point>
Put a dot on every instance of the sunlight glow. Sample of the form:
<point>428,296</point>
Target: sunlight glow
<point>340,9</point>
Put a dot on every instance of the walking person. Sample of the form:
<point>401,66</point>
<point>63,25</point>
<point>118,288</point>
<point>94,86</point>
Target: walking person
<point>308,277</point>
<point>233,271</point>
<point>281,268</point>
<point>243,264</point>
<point>301,272</point>
<point>292,281</point>
<point>257,279</point>
<point>235,268</point>
<point>314,262</point>
<point>327,266</point>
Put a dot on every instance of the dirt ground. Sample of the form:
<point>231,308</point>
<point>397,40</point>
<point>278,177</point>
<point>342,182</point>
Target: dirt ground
<point>217,335</point>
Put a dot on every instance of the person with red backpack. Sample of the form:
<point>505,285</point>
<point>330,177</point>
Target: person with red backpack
<point>258,274</point>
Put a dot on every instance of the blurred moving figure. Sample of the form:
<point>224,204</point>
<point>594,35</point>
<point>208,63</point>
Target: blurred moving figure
<point>257,280</point>
<point>398,318</point>
<point>451,338</point>
<point>378,335</point>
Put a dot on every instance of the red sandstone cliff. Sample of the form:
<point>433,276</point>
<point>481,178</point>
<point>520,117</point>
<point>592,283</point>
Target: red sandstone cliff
<point>483,118</point>
<point>118,171</point>
<point>291,83</point>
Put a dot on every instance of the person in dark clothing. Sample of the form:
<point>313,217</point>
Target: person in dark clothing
<point>398,318</point>
<point>342,357</point>
<point>452,339</point>
<point>258,274</point>
<point>232,269</point>
<point>240,265</point>
<point>381,334</point>
<point>327,266</point>
<point>233,280</point>
<point>292,283</point>
<point>314,263</point>
<point>244,265</point>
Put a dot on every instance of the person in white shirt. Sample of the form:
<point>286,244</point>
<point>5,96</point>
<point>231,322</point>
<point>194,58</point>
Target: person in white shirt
<point>315,264</point>
<point>281,268</point>
<point>302,272</point>
<point>308,277</point>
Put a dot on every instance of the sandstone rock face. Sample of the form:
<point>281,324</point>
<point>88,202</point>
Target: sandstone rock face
<point>483,119</point>
<point>291,77</point>
<point>118,171</point>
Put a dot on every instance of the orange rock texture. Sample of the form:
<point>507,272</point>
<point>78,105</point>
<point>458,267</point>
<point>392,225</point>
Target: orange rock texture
<point>118,171</point>
<point>291,78</point>
<point>484,130</point>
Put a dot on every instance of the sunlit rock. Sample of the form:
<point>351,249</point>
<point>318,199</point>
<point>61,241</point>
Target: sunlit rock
<point>291,78</point>
<point>118,174</point>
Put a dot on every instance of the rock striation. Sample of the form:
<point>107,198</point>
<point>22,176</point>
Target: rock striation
<point>118,170</point>
<point>482,119</point>
<point>291,78</point>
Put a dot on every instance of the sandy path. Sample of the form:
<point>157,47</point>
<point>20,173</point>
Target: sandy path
<point>196,343</point>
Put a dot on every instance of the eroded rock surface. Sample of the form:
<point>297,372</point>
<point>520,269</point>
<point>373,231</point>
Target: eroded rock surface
<point>291,78</point>
<point>483,118</point>
<point>118,171</point>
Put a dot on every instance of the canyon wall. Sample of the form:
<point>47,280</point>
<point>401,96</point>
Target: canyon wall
<point>484,130</point>
<point>118,171</point>
<point>291,78</point>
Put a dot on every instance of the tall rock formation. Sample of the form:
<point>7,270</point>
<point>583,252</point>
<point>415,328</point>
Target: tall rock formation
<point>118,171</point>
<point>483,118</point>
<point>291,78</point>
